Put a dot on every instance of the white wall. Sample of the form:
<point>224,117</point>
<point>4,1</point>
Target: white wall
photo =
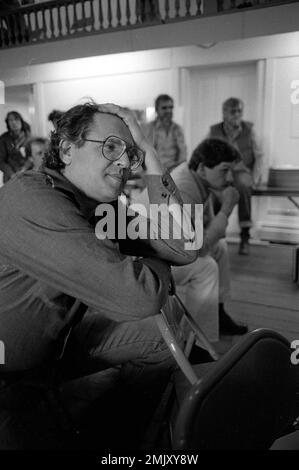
<point>210,86</point>
<point>135,90</point>
<point>285,137</point>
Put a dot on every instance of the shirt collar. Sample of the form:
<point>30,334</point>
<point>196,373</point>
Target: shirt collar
<point>202,183</point>
<point>60,182</point>
<point>159,124</point>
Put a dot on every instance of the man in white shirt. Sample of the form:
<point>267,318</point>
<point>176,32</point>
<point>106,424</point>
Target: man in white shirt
<point>166,136</point>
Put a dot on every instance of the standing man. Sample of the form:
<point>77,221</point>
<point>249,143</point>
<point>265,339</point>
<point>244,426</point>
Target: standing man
<point>240,134</point>
<point>166,136</point>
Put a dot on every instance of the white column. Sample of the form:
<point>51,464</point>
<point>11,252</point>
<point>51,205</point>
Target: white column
<point>39,118</point>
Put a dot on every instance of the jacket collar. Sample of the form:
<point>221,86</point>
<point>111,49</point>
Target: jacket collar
<point>59,182</point>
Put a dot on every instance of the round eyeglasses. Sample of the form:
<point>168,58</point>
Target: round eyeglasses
<point>113,148</point>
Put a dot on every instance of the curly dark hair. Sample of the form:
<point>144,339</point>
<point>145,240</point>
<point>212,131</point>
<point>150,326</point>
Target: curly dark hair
<point>211,152</point>
<point>73,126</point>
<point>54,116</point>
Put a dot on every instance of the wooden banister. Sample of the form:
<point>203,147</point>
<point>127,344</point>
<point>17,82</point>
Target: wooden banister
<point>60,19</point>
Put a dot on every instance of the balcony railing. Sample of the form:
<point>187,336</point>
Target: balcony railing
<point>61,19</point>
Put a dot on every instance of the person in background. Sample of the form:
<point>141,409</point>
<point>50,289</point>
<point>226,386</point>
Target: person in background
<point>240,134</point>
<point>205,283</point>
<point>36,150</point>
<point>148,10</point>
<point>13,156</point>
<point>166,136</point>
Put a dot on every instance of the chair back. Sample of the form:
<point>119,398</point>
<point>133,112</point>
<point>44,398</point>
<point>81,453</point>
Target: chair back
<point>245,401</point>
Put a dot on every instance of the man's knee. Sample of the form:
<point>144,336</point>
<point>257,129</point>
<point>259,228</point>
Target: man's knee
<point>206,266</point>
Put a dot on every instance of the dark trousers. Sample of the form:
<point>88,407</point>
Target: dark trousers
<point>243,183</point>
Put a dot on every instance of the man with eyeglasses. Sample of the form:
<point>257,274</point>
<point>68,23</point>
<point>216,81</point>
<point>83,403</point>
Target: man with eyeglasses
<point>240,134</point>
<point>166,136</point>
<point>65,293</point>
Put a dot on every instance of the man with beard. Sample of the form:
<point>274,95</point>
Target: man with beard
<point>240,134</point>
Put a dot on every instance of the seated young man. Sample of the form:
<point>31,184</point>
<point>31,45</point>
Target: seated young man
<point>64,288</point>
<point>205,284</point>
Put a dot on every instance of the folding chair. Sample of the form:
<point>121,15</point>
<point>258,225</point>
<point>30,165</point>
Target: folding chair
<point>181,355</point>
<point>158,428</point>
<point>246,400</point>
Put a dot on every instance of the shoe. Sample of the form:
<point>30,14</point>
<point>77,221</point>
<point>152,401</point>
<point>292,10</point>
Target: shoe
<point>244,243</point>
<point>199,355</point>
<point>244,249</point>
<point>227,326</point>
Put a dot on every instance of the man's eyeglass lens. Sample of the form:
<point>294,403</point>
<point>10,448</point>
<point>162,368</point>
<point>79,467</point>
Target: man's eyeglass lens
<point>114,148</point>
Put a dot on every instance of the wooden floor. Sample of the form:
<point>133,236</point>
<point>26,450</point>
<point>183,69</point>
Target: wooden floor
<point>263,294</point>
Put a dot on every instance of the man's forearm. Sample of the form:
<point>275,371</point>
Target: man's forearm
<point>175,238</point>
<point>215,230</point>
